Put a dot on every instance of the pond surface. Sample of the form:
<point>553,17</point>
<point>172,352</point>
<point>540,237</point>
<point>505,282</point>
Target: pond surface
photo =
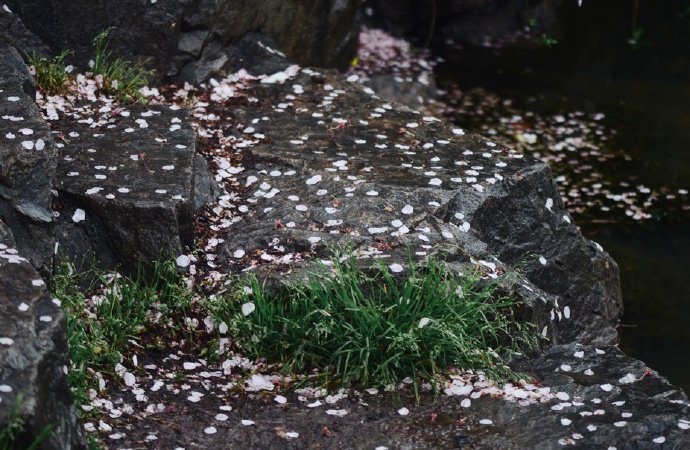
<point>608,107</point>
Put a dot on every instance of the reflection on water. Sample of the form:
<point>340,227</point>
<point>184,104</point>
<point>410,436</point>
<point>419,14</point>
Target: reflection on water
<point>599,181</point>
<point>625,174</point>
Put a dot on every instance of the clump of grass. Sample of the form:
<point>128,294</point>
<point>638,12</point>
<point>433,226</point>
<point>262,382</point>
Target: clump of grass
<point>105,319</point>
<point>13,430</point>
<point>548,40</point>
<point>372,329</point>
<point>50,73</point>
<point>121,78</point>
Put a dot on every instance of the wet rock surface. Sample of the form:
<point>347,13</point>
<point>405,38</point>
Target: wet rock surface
<point>128,183</point>
<point>341,166</point>
<point>34,357</point>
<point>27,161</point>
<point>193,39</point>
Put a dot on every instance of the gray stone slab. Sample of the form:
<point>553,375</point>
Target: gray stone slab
<point>126,184</point>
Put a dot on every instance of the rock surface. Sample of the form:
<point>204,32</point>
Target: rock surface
<point>128,182</point>
<point>28,157</point>
<point>621,403</point>
<point>189,39</point>
<point>34,357</point>
<point>339,165</point>
<point>612,400</point>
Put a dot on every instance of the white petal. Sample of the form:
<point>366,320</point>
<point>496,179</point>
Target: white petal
<point>628,378</point>
<point>423,322</point>
<point>129,378</point>
<point>248,308</point>
<point>182,261</point>
<point>79,215</point>
<point>313,180</point>
<point>396,268</point>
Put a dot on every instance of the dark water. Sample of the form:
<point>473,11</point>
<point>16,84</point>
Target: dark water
<point>643,89</point>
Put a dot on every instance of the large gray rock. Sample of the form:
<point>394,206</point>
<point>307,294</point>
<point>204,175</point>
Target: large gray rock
<point>173,34</point>
<point>34,357</point>
<point>340,166</point>
<point>28,158</point>
<point>128,183</point>
<point>524,220</point>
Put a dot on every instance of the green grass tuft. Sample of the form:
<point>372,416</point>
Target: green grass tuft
<point>121,78</point>
<point>373,329</point>
<point>113,315</point>
<point>49,73</point>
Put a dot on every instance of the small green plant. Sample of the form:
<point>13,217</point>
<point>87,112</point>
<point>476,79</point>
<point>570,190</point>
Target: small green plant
<point>548,40</point>
<point>105,319</point>
<point>635,37</point>
<point>372,329</point>
<point>14,427</point>
<point>121,78</point>
<point>49,73</point>
<point>93,444</point>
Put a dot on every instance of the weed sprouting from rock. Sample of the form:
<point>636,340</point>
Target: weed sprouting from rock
<point>120,77</point>
<point>50,73</point>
